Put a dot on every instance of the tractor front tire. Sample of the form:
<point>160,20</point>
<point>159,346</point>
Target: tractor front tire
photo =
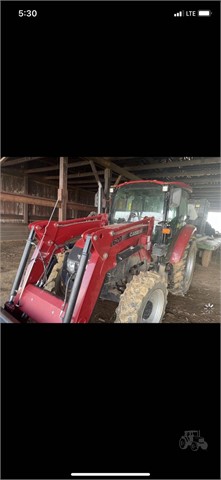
<point>194,447</point>
<point>144,299</point>
<point>183,270</point>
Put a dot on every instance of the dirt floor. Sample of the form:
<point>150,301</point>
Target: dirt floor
<point>200,305</point>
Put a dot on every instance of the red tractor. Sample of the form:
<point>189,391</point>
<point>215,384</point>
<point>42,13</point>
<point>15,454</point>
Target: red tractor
<point>132,256</point>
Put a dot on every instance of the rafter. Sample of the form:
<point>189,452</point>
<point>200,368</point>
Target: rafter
<point>180,173</point>
<point>177,164</point>
<point>115,168</point>
<point>20,160</point>
<point>56,167</point>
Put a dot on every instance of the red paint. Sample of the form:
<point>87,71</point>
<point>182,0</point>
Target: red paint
<point>52,237</point>
<point>158,182</point>
<point>181,243</point>
<point>42,306</point>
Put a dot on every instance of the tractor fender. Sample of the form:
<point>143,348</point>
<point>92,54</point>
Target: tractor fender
<point>181,243</point>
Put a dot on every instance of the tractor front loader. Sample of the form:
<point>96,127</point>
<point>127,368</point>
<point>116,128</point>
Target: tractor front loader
<point>131,256</point>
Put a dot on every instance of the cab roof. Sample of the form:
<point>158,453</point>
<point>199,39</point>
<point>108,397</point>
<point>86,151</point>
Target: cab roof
<point>158,182</point>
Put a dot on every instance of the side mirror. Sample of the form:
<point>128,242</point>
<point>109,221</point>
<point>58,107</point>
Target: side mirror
<point>175,198</point>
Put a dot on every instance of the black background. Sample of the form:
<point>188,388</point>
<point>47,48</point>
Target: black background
<point>109,78</point>
<point>109,398</point>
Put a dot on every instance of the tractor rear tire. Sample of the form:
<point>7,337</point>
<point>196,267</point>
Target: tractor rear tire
<point>183,443</point>
<point>183,270</point>
<point>144,299</point>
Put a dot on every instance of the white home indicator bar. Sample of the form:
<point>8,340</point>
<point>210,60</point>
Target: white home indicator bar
<point>204,13</point>
<point>104,475</point>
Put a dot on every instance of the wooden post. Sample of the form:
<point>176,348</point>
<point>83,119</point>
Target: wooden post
<point>118,180</point>
<point>25,205</point>
<point>115,168</point>
<point>63,190</point>
<point>75,213</point>
<point>107,183</point>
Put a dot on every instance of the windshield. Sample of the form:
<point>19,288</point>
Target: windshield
<point>134,202</point>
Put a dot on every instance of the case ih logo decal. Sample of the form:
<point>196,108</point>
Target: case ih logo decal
<point>137,232</point>
<point>128,235</point>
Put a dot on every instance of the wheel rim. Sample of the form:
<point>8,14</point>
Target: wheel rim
<point>189,268</point>
<point>153,309</point>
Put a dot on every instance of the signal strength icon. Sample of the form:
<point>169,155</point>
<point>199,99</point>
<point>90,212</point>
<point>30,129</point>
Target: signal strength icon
<point>178,14</point>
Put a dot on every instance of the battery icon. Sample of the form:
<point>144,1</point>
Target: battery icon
<point>204,13</point>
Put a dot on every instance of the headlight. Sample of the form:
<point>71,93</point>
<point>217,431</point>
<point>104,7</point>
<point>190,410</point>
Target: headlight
<point>72,265</point>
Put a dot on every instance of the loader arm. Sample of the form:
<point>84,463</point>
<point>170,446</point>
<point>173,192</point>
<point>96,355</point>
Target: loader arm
<point>52,236</point>
<point>105,245</point>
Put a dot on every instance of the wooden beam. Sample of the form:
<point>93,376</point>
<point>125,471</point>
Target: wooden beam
<point>115,168</point>
<point>80,206</point>
<point>3,160</point>
<point>95,172</point>
<point>82,182</point>
<point>17,161</point>
<point>42,169</point>
<point>56,167</point>
<point>36,178</point>
<point>44,202</point>
<point>206,180</point>
<point>39,180</point>
<point>88,187</point>
<point>29,199</point>
<point>78,164</point>
<point>117,181</point>
<point>25,205</point>
<point>116,159</point>
<point>85,174</point>
<point>76,175</point>
<point>107,182</point>
<point>178,163</point>
<point>180,173</point>
<point>63,191</point>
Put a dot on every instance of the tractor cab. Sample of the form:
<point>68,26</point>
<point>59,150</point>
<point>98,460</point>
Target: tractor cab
<point>167,202</point>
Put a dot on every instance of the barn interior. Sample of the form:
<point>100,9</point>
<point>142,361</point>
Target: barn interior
<point>39,188</point>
